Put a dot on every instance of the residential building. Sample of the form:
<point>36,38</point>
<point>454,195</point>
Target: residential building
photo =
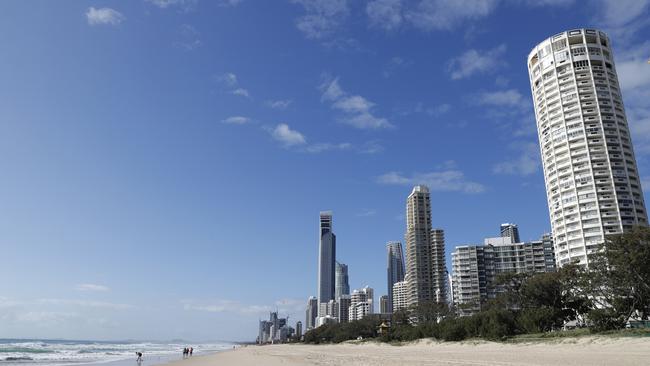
<point>342,286</point>
<point>475,267</point>
<point>365,294</point>
<point>299,329</point>
<point>343,312</point>
<point>311,312</point>
<point>395,268</point>
<point>511,231</point>
<point>383,305</point>
<point>326,259</point>
<point>425,250</point>
<point>590,171</point>
<point>360,310</point>
<point>400,296</point>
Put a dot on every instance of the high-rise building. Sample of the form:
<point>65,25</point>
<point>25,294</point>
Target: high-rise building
<point>395,268</point>
<point>326,259</point>
<point>475,267</point>
<point>299,329</point>
<point>311,313</point>
<point>383,305</point>
<point>592,182</point>
<point>425,250</point>
<point>365,294</point>
<point>511,231</point>
<point>344,303</point>
<point>400,296</point>
<point>342,286</point>
<point>360,310</point>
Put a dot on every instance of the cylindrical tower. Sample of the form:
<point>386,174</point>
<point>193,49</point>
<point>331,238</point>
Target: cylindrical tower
<point>592,183</point>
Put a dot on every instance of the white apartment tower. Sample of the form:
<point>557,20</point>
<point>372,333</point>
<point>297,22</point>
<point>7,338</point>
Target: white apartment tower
<point>425,251</point>
<point>592,182</point>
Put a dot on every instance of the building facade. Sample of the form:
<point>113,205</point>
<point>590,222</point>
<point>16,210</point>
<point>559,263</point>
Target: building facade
<point>342,285</point>
<point>475,267</point>
<point>400,296</point>
<point>299,329</point>
<point>311,313</point>
<point>592,183</point>
<point>511,231</point>
<point>326,259</point>
<point>383,305</point>
<point>344,303</point>
<point>394,268</point>
<point>425,250</point>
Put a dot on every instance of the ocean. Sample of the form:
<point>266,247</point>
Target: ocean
<point>43,352</point>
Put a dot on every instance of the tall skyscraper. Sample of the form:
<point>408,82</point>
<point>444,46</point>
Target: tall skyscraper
<point>395,268</point>
<point>299,329</point>
<point>425,250</point>
<point>326,259</point>
<point>311,313</point>
<point>511,231</point>
<point>342,286</point>
<point>592,183</point>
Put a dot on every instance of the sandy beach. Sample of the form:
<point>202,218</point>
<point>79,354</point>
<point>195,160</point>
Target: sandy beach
<point>581,351</point>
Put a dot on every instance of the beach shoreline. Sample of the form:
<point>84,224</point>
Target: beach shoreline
<point>592,350</point>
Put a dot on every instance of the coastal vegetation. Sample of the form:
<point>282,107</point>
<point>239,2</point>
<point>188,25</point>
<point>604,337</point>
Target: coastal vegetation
<point>602,297</point>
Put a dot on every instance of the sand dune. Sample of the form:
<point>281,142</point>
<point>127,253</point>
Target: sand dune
<point>580,351</point>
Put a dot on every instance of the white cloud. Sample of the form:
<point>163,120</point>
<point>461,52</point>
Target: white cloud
<point>526,163</point>
<point>91,287</point>
<point>634,77</point>
<point>356,109</point>
<point>236,120</point>
<point>429,15</point>
<point>503,98</point>
<point>287,136</point>
<point>475,62</point>
<point>616,14</point>
<point>386,14</point>
<point>451,180</point>
<point>366,213</point>
<point>322,17</point>
<point>371,147</point>
<point>278,104</point>
<point>241,92</point>
<point>86,303</point>
<point>181,5</point>
<point>290,306</point>
<point>104,16</point>
<point>188,38</point>
<point>228,79</point>
<point>325,146</point>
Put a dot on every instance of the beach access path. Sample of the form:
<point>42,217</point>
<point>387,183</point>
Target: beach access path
<point>567,351</point>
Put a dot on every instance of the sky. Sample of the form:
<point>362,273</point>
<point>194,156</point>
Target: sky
<point>164,162</point>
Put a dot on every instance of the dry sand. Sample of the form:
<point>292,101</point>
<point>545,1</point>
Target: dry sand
<point>576,351</point>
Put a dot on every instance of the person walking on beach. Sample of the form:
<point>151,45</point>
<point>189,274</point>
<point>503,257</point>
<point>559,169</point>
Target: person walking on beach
<point>191,350</point>
<point>184,352</point>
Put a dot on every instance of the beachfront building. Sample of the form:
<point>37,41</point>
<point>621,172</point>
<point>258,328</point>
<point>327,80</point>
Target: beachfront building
<point>326,260</point>
<point>475,267</point>
<point>273,330</point>
<point>360,310</point>
<point>299,329</point>
<point>311,313</point>
<point>365,294</point>
<point>425,251</point>
<point>343,304</point>
<point>383,305</point>
<point>394,268</point>
<point>592,182</point>
<point>511,231</point>
<point>342,285</point>
<point>400,296</point>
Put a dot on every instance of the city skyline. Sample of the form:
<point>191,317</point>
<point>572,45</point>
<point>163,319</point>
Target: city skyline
<point>164,161</point>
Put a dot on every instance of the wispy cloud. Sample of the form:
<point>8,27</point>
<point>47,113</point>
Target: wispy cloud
<point>91,287</point>
<point>357,110</point>
<point>86,303</point>
<point>394,64</point>
<point>322,17</point>
<point>104,16</point>
<point>476,62</point>
<point>284,306</point>
<point>451,180</point>
<point>622,18</point>
<point>278,104</point>
<point>325,146</point>
<point>503,98</point>
<point>385,14</point>
<point>634,77</point>
<point>230,81</point>
<point>182,5</point>
<point>288,137</point>
<point>526,163</point>
<point>236,120</point>
<point>188,38</point>
<point>430,15</point>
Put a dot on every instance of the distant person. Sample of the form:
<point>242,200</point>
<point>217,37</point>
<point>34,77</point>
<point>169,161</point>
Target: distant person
<point>184,352</point>
<point>139,354</point>
<point>191,350</point>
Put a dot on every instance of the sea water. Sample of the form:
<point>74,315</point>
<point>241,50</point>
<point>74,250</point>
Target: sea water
<point>32,352</point>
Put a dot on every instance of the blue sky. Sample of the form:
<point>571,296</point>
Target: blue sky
<point>164,162</point>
